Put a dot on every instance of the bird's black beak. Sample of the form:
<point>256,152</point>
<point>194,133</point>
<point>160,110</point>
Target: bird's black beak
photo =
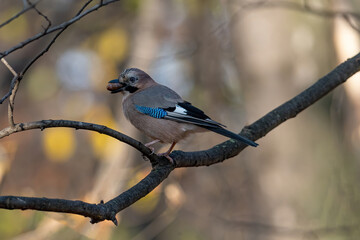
<point>115,86</point>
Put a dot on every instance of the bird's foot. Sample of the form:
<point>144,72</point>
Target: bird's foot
<point>166,154</point>
<point>151,148</point>
<point>152,152</point>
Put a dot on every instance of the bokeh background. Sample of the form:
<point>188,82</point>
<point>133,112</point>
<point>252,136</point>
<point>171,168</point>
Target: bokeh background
<point>235,59</point>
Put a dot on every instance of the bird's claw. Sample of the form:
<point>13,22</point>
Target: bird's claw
<point>167,156</point>
<point>152,150</point>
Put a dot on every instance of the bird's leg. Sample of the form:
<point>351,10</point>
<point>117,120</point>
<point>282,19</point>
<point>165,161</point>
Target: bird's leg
<point>151,143</point>
<point>166,154</point>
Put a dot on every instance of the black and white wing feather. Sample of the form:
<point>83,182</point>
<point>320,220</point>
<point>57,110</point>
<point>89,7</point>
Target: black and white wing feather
<point>187,113</point>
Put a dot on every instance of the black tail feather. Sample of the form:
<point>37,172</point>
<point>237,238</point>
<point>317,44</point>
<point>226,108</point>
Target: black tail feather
<point>232,135</point>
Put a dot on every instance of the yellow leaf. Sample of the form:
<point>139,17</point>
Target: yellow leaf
<point>59,143</point>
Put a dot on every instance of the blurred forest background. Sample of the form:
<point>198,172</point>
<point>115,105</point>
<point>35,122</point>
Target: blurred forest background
<point>235,59</point>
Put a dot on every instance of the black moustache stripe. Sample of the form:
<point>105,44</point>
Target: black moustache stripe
<point>131,89</point>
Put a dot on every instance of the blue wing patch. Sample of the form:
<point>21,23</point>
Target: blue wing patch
<point>152,112</point>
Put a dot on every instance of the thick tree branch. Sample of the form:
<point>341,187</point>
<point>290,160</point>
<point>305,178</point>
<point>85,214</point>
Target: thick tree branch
<point>96,212</point>
<point>157,175</point>
<point>271,120</point>
<point>161,167</point>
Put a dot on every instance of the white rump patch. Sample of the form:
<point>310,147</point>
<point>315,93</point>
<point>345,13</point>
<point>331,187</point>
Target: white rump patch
<point>180,110</point>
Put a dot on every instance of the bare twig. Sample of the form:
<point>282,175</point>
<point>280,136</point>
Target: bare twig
<point>7,95</point>
<point>9,67</point>
<point>56,28</point>
<point>17,77</point>
<point>13,91</point>
<point>26,8</point>
<point>39,55</point>
<point>12,85</point>
<point>83,7</point>
<point>46,31</point>
<point>41,14</point>
<point>32,61</point>
<point>77,125</point>
<point>12,102</point>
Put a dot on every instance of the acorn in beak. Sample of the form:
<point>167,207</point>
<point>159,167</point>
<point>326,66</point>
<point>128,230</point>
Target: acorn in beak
<point>115,86</point>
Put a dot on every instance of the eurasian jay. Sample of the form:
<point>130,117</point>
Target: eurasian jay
<point>161,113</point>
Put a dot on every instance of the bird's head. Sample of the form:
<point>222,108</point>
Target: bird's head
<point>130,80</point>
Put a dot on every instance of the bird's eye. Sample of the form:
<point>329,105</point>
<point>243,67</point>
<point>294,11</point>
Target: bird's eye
<point>132,79</point>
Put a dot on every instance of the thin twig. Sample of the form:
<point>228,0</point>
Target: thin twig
<point>16,81</point>
<point>20,127</point>
<point>32,61</point>
<point>27,8</point>
<point>9,67</point>
<point>41,14</point>
<point>13,91</point>
<point>46,31</point>
<point>83,7</point>
<point>56,28</point>
<point>10,89</point>
<point>7,95</point>
<point>12,102</point>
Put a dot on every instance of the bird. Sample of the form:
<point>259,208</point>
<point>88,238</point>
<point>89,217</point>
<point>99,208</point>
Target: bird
<point>160,113</point>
